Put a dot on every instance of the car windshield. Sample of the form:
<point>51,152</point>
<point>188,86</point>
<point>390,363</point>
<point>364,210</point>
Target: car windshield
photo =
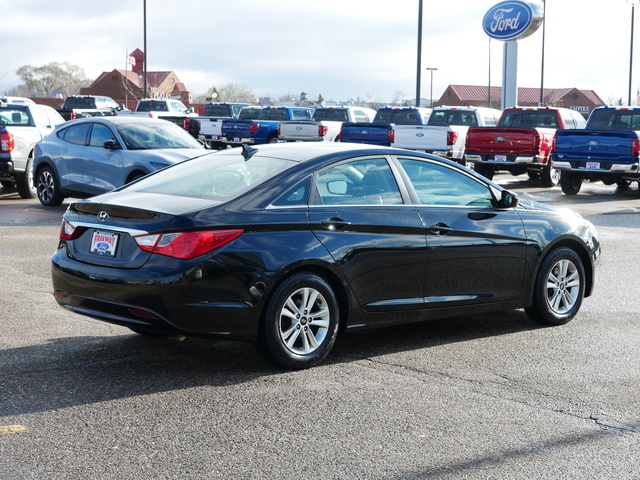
<point>219,176</point>
<point>161,134</point>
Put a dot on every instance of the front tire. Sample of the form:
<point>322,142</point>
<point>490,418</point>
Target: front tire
<point>300,322</point>
<point>48,188</point>
<point>559,288</point>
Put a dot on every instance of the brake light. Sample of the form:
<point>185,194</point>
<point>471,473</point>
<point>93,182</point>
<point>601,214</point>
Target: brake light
<point>536,143</point>
<point>392,135</point>
<point>185,124</point>
<point>186,245</point>
<point>7,142</point>
<point>554,144</point>
<point>635,147</point>
<point>72,116</point>
<point>68,231</point>
<point>322,130</point>
<point>451,137</point>
<point>253,128</point>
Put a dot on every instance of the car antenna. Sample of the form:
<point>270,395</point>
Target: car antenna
<point>248,152</point>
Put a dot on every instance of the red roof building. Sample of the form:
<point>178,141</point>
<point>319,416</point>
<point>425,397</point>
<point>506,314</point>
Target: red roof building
<point>127,86</point>
<point>582,101</point>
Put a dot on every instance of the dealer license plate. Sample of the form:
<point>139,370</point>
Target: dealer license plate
<point>500,158</point>
<point>593,165</point>
<point>104,243</point>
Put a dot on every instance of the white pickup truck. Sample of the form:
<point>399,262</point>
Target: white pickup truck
<point>22,126</point>
<point>325,125</point>
<point>445,132</point>
<point>210,129</point>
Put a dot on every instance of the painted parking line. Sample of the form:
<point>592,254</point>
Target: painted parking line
<point>12,429</point>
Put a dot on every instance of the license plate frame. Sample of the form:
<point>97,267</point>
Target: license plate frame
<point>500,158</point>
<point>104,243</point>
<point>593,165</point>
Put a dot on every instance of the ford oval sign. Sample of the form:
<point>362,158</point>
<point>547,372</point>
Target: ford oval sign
<point>512,20</point>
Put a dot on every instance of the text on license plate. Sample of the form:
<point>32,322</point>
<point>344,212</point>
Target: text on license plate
<point>500,158</point>
<point>593,165</point>
<point>104,243</point>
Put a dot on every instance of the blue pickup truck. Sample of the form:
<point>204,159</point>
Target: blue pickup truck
<point>608,149</point>
<point>264,129</point>
<point>380,132</point>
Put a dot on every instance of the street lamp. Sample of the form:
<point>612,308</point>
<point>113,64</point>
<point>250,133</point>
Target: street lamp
<point>431,69</point>
<point>633,4</point>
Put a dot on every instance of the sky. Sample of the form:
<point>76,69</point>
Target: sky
<point>340,49</point>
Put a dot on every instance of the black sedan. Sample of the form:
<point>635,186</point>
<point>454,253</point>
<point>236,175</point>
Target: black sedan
<point>289,244</point>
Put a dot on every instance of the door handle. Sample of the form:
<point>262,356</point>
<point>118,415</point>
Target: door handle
<point>334,223</point>
<point>440,229</point>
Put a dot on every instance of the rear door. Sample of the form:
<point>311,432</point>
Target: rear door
<point>476,252</point>
<point>377,240</point>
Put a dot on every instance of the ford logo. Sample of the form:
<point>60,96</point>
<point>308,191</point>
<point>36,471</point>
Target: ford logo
<point>500,139</point>
<point>593,143</point>
<point>298,128</point>
<point>103,216</point>
<point>419,135</point>
<point>512,20</point>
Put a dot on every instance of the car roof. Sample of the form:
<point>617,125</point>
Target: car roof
<point>119,120</point>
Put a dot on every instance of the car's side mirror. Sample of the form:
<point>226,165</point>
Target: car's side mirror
<point>508,200</point>
<point>111,144</point>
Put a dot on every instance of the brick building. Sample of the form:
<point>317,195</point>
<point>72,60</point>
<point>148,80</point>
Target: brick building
<point>582,101</point>
<point>127,86</point>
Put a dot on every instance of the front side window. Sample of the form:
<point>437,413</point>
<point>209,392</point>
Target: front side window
<point>361,182</point>
<point>100,134</point>
<point>440,185</point>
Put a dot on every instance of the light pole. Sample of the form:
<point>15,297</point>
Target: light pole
<point>418,70</point>
<point>633,4</point>
<point>544,24</point>
<point>431,69</point>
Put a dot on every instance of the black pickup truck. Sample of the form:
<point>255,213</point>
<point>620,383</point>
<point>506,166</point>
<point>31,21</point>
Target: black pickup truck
<point>78,106</point>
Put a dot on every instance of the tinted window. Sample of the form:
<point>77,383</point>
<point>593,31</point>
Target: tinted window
<point>221,178</point>
<point>361,182</point>
<point>437,184</point>
<point>615,120</point>
<point>216,111</point>
<point>76,134</point>
<point>529,119</point>
<point>398,117</point>
<point>331,114</point>
<point>296,196</point>
<point>159,134</point>
<point>100,134</point>
<point>453,117</point>
<point>250,113</point>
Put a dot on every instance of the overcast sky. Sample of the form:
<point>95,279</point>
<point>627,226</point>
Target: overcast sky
<point>342,49</point>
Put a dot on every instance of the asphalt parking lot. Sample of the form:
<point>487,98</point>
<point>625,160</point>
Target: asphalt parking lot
<point>486,396</point>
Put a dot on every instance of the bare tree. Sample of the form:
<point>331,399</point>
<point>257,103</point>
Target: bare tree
<point>232,92</point>
<point>40,81</point>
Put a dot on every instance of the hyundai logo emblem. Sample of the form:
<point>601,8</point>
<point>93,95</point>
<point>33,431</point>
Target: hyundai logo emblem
<point>103,216</point>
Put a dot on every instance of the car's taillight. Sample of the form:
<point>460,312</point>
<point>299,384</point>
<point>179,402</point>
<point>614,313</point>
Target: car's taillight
<point>554,144</point>
<point>7,142</point>
<point>451,137</point>
<point>322,130</point>
<point>635,147</point>
<point>185,124</point>
<point>68,231</point>
<point>254,128</point>
<point>392,135</point>
<point>186,245</point>
<point>536,143</point>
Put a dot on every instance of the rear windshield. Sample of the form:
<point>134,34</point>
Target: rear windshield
<point>219,176</point>
<point>14,117</point>
<point>528,119</point>
<point>398,117</point>
<point>331,115</point>
<point>619,120</point>
<point>446,118</point>
<point>250,113</point>
<point>216,111</point>
<point>79,102</point>
<point>151,106</point>
<point>273,114</point>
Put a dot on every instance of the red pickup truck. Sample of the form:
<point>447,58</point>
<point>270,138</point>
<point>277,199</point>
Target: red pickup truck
<point>521,142</point>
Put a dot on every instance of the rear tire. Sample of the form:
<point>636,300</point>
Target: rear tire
<point>559,288</point>
<point>300,322</point>
<point>25,183</point>
<point>486,171</point>
<point>549,176</point>
<point>48,188</point>
<point>570,182</point>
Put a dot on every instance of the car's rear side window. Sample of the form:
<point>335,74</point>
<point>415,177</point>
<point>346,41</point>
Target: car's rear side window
<point>76,134</point>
